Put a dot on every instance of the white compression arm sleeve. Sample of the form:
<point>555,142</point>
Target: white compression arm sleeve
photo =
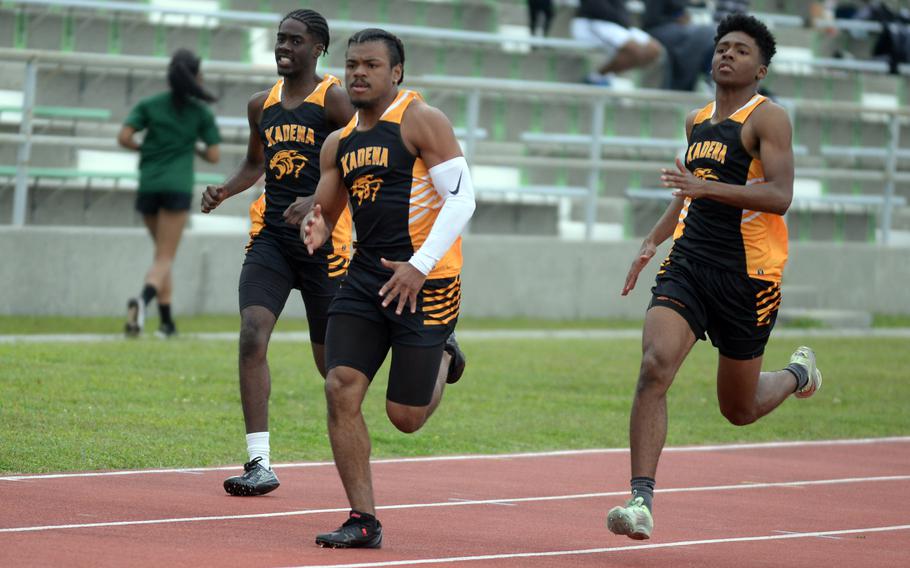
<point>452,180</point>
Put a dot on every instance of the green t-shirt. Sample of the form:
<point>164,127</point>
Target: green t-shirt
<point>166,155</point>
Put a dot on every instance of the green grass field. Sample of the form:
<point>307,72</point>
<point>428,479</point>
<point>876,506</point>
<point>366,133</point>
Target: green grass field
<point>27,325</point>
<point>153,403</point>
<point>24,325</point>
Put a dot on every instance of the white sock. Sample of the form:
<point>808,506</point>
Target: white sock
<point>257,446</point>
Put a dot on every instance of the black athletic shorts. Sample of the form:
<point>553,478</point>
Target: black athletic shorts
<point>737,312</point>
<point>274,266</point>
<point>149,202</point>
<point>361,332</point>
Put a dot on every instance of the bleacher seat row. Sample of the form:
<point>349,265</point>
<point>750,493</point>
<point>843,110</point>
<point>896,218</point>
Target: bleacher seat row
<point>525,123</point>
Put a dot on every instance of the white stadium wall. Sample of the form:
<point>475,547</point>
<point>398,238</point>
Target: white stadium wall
<point>92,271</point>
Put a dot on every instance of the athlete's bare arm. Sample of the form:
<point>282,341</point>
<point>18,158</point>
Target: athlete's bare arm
<point>250,169</point>
<point>125,137</point>
<point>665,226</point>
<point>661,231</point>
<point>767,135</point>
<point>338,111</point>
<point>330,199</point>
<point>427,133</point>
<point>211,154</point>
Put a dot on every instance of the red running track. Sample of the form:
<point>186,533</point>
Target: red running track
<point>830,504</point>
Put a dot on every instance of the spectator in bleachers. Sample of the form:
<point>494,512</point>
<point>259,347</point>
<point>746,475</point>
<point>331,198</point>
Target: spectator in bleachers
<point>173,121</point>
<point>689,46</point>
<point>724,8</point>
<point>862,10</point>
<point>811,10</point>
<point>540,17</point>
<point>893,42</point>
<point>607,23</point>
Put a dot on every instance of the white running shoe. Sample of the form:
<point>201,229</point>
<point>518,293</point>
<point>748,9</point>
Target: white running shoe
<point>633,520</point>
<point>805,357</point>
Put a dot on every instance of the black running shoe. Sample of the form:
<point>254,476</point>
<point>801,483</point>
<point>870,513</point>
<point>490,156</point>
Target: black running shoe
<point>456,365</point>
<point>256,480</point>
<point>359,531</point>
<point>167,330</point>
<point>135,317</point>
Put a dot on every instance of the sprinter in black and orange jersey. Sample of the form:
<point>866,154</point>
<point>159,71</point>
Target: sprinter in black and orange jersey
<point>399,167</point>
<point>288,125</point>
<point>722,276</point>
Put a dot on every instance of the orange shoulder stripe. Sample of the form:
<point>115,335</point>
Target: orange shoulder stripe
<point>274,95</point>
<point>395,112</point>
<point>318,94</point>
<point>350,126</point>
<point>704,114</point>
<point>742,114</point>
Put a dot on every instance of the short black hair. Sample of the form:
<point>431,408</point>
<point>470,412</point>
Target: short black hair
<point>391,41</point>
<point>315,25</point>
<point>752,27</point>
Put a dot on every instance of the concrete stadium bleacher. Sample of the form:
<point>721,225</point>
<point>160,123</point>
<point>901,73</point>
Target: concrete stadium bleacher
<point>466,40</point>
<point>536,189</point>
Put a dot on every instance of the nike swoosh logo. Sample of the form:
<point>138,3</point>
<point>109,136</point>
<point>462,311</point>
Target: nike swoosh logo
<point>457,185</point>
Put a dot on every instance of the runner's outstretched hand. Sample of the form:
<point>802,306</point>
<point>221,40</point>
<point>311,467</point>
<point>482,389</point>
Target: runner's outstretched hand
<point>313,230</point>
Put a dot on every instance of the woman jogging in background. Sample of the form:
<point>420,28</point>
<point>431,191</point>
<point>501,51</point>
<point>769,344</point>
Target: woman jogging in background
<point>173,121</point>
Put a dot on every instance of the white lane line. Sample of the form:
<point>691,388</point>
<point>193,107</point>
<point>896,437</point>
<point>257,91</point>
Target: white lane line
<point>555,453</point>
<point>796,532</point>
<point>491,334</point>
<point>677,544</point>
<point>509,500</point>
<point>462,500</point>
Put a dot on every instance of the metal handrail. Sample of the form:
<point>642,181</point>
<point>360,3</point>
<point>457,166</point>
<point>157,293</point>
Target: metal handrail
<point>798,200</point>
<point>510,87</point>
<point>861,152</point>
<point>670,144</point>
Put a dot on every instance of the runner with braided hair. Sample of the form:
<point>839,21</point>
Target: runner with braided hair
<point>288,124</point>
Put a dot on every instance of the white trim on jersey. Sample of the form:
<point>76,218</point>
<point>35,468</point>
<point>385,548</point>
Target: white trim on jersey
<point>751,102</point>
<point>401,99</point>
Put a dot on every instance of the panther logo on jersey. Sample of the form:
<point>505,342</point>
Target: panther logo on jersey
<point>366,187</point>
<point>285,162</point>
<point>705,174</point>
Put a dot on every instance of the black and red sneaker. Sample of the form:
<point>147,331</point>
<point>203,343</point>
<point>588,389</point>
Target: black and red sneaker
<point>361,530</point>
<point>456,365</point>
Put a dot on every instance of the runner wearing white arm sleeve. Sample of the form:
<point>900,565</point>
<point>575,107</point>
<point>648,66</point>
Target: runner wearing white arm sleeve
<point>452,180</point>
<point>399,169</point>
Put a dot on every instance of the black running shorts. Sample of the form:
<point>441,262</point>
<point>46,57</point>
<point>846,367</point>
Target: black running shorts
<point>150,202</point>
<point>737,312</point>
<point>363,344</point>
<point>361,332</point>
<point>273,268</point>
